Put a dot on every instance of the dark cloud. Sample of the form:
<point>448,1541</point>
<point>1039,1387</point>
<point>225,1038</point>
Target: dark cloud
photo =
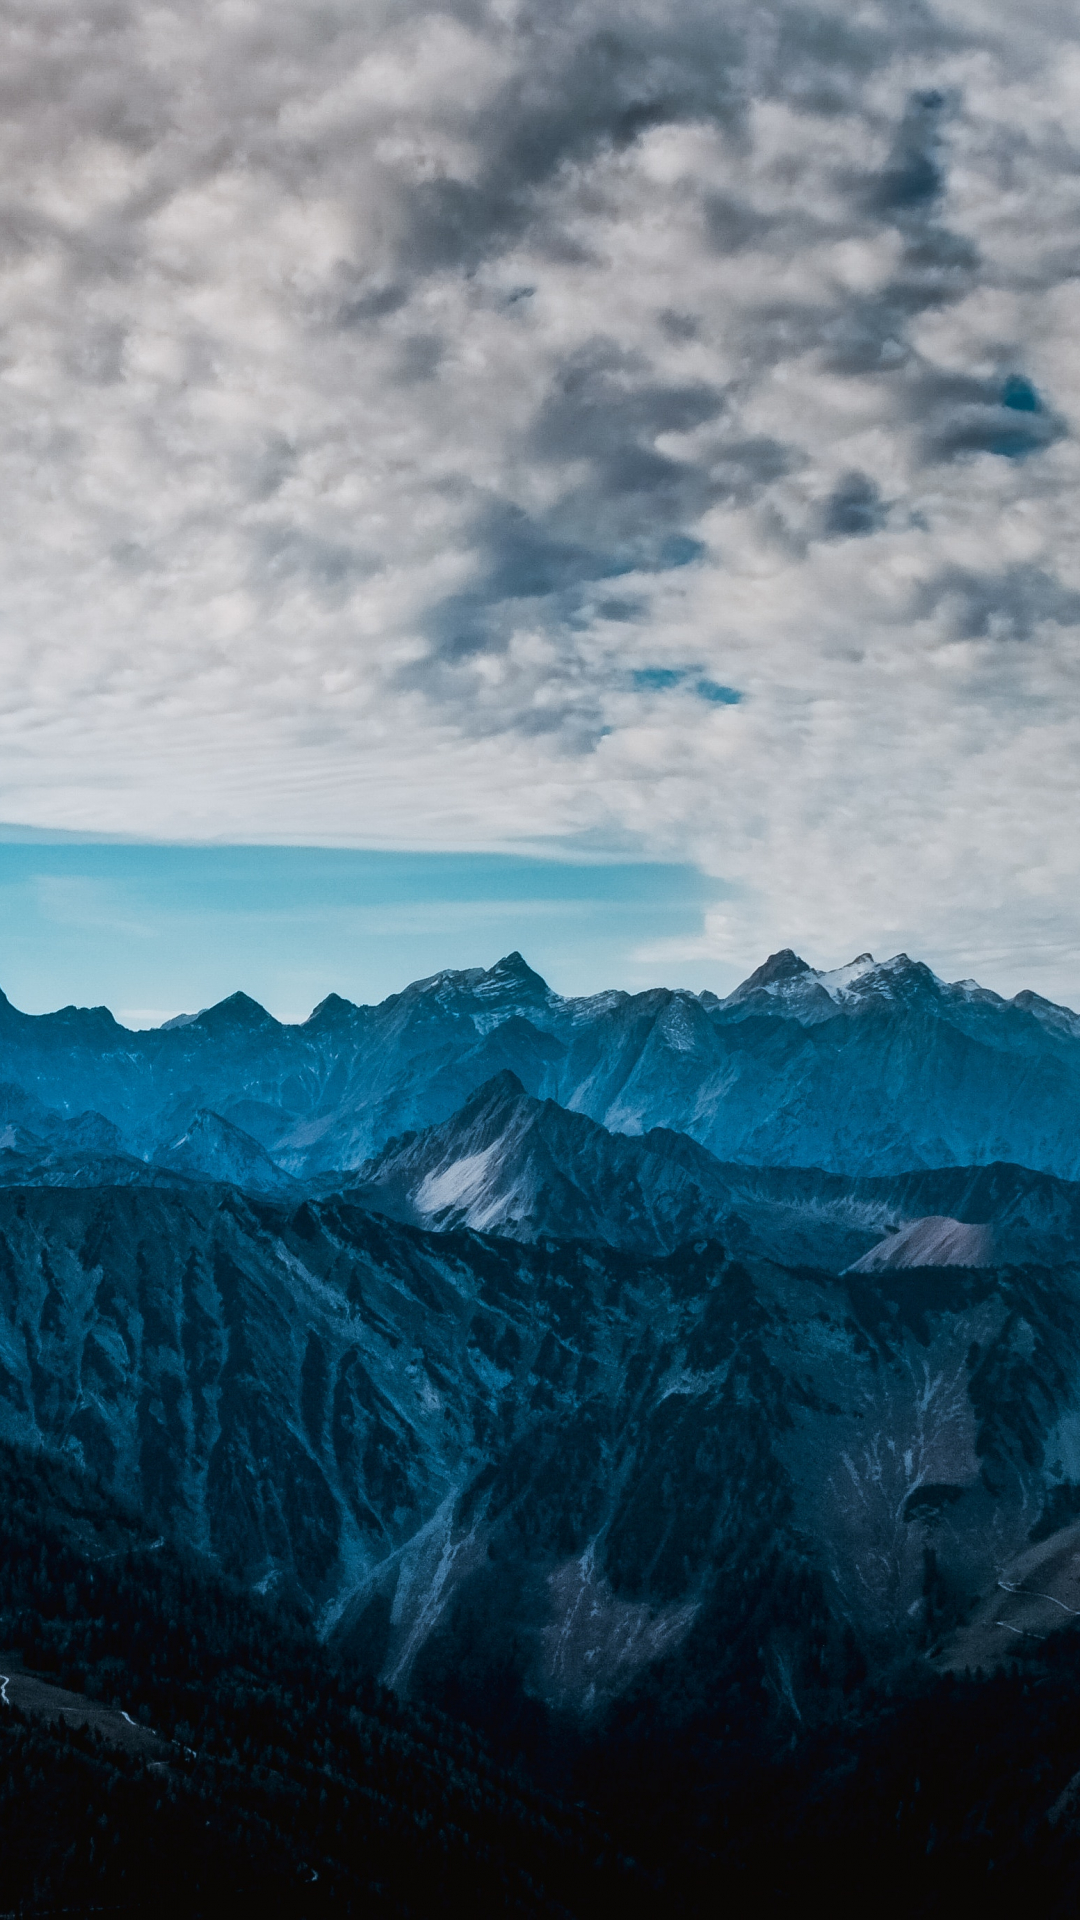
<point>421,354</point>
<point>357,309</point>
<point>633,512</point>
<point>1009,605</point>
<point>1006,417</point>
<point>608,408</point>
<point>914,180</point>
<point>581,86</point>
<point>855,508</point>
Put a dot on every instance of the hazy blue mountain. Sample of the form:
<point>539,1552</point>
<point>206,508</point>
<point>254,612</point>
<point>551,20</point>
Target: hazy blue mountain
<point>870,1069</point>
<point>212,1149</point>
<point>527,1169</point>
<point>462,1448</point>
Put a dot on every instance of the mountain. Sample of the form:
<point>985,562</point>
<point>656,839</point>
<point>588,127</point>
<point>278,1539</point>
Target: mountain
<point>212,1149</point>
<point>580,1466</point>
<point>529,1170</point>
<point>935,1240</point>
<point>871,1069</point>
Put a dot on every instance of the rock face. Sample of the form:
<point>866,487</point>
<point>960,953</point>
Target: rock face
<point>529,1170</point>
<point>870,1069</point>
<point>468,1451</point>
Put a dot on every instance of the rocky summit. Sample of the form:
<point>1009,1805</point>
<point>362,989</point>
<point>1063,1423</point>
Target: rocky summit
<point>654,1348</point>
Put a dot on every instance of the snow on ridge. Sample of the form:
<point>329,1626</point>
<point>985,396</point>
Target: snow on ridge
<point>838,979</point>
<point>459,1184</point>
<point>934,1241</point>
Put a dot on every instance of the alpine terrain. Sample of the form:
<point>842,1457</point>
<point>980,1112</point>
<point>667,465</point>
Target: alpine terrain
<point>600,1373</point>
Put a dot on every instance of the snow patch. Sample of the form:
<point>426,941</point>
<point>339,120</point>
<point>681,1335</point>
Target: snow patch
<point>456,1185</point>
<point>837,981</point>
<point>935,1241</point>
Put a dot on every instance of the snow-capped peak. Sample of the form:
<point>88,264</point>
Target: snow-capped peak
<point>839,979</point>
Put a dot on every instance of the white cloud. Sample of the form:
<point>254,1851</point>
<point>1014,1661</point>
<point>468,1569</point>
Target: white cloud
<point>368,382</point>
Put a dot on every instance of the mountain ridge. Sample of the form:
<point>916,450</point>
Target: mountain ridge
<point>509,1164</point>
<point>867,1069</point>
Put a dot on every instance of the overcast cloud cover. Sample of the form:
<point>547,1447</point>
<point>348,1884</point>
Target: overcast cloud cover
<point>634,424</point>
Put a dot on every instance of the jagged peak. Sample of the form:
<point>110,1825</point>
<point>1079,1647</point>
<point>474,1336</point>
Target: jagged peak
<point>332,1007</point>
<point>502,1089</point>
<point>513,970</point>
<point>785,965</point>
<point>236,1010</point>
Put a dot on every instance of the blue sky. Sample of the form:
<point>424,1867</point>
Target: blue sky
<point>153,931</point>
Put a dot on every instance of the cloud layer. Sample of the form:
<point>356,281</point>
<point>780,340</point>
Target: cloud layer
<point>640,425</point>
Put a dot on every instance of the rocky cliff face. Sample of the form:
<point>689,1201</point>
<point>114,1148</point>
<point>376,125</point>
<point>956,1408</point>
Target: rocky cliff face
<point>577,1463</point>
<point>871,1069</point>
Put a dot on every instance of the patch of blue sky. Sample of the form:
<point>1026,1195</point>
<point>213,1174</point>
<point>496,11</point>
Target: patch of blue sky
<point>662,679</point>
<point>657,679</point>
<point>1029,431</point>
<point>151,931</point>
<point>1019,394</point>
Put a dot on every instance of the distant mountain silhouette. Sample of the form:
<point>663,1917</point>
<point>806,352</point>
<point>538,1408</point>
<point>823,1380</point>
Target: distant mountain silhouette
<point>874,1068</point>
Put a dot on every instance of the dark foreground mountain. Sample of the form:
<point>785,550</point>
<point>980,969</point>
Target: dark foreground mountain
<point>528,1170</point>
<point>281,1781</point>
<point>872,1069</point>
<point>277,1782</point>
<point>600,1476</point>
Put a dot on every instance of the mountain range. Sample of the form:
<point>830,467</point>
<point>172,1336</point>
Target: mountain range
<point>630,1347</point>
<point>527,1169</point>
<point>871,1069</point>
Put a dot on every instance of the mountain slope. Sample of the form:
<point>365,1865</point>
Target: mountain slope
<point>568,1459</point>
<point>212,1149</point>
<point>528,1169</point>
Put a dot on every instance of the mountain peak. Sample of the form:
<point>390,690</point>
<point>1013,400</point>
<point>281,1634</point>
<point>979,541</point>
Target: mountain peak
<point>331,1010</point>
<point>512,975</point>
<point>785,965</point>
<point>503,1089</point>
<point>239,1010</point>
<point>514,966</point>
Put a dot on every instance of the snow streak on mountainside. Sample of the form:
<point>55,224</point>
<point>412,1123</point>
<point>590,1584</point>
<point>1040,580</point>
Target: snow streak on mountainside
<point>936,1241</point>
<point>870,1069</point>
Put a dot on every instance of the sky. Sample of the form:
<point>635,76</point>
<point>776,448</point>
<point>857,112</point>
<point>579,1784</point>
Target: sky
<point>152,931</point>
<point>626,439</point>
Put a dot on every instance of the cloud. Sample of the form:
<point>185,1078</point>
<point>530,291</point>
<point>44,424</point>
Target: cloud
<point>390,399</point>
